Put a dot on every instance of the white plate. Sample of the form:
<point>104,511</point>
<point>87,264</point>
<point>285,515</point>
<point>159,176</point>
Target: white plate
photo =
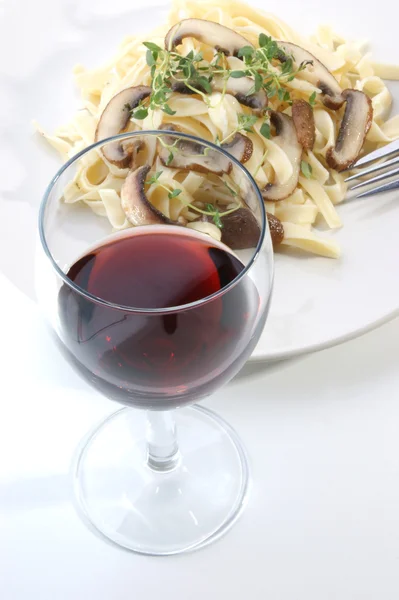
<point>317,302</point>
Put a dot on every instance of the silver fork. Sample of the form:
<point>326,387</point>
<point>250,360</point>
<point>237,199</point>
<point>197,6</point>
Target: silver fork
<point>392,175</point>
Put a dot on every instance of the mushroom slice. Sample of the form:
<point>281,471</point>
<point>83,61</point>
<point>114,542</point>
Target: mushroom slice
<point>193,156</point>
<point>353,130</point>
<point>238,88</point>
<point>135,204</point>
<point>218,36</point>
<point>302,115</point>
<point>241,147</point>
<point>276,229</point>
<point>287,140</point>
<point>315,73</point>
<point>240,229</point>
<point>114,119</point>
<point>242,88</point>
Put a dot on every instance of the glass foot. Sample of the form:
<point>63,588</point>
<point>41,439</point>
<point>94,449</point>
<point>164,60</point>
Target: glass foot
<point>161,513</point>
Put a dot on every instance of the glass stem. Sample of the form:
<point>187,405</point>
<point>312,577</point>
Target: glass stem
<point>162,447</point>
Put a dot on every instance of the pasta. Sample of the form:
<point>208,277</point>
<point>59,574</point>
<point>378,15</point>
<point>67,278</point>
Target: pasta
<point>98,181</point>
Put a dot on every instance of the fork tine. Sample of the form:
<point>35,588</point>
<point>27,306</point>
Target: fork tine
<point>387,150</point>
<point>374,168</point>
<point>375,179</point>
<point>391,185</point>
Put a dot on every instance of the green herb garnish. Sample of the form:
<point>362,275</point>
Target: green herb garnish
<point>231,190</point>
<point>312,99</point>
<point>211,210</point>
<point>174,193</point>
<point>246,122</point>
<point>215,215</point>
<point>154,178</point>
<point>269,67</point>
<point>139,113</point>
<point>306,169</point>
<point>265,130</point>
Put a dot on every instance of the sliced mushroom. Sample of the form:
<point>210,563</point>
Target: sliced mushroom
<point>287,140</point>
<point>242,88</point>
<point>114,119</point>
<point>240,147</point>
<point>353,130</point>
<point>135,204</point>
<point>276,229</point>
<point>302,115</point>
<point>238,88</point>
<point>188,155</point>
<point>316,73</point>
<point>240,229</point>
<point>218,36</point>
<point>185,154</point>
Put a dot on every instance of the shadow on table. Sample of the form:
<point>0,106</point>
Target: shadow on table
<point>326,373</point>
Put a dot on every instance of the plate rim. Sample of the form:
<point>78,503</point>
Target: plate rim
<point>337,341</point>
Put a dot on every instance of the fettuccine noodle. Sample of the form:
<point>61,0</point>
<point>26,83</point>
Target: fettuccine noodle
<point>98,182</point>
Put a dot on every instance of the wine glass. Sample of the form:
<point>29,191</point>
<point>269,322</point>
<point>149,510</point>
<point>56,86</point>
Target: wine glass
<point>157,317</point>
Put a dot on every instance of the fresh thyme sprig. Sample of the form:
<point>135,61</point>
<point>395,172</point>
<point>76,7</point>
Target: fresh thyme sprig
<point>269,67</point>
<point>312,99</point>
<point>211,210</point>
<point>154,179</point>
<point>215,213</point>
<point>245,123</point>
<point>260,164</point>
<point>216,217</point>
<point>232,191</point>
<point>306,169</point>
<point>169,69</point>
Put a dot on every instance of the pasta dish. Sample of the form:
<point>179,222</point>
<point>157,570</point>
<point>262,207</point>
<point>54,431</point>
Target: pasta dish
<point>297,112</point>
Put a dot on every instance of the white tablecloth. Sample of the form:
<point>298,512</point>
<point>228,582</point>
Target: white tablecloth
<point>322,432</point>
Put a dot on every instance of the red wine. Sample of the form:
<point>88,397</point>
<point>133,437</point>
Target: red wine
<point>158,360</point>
